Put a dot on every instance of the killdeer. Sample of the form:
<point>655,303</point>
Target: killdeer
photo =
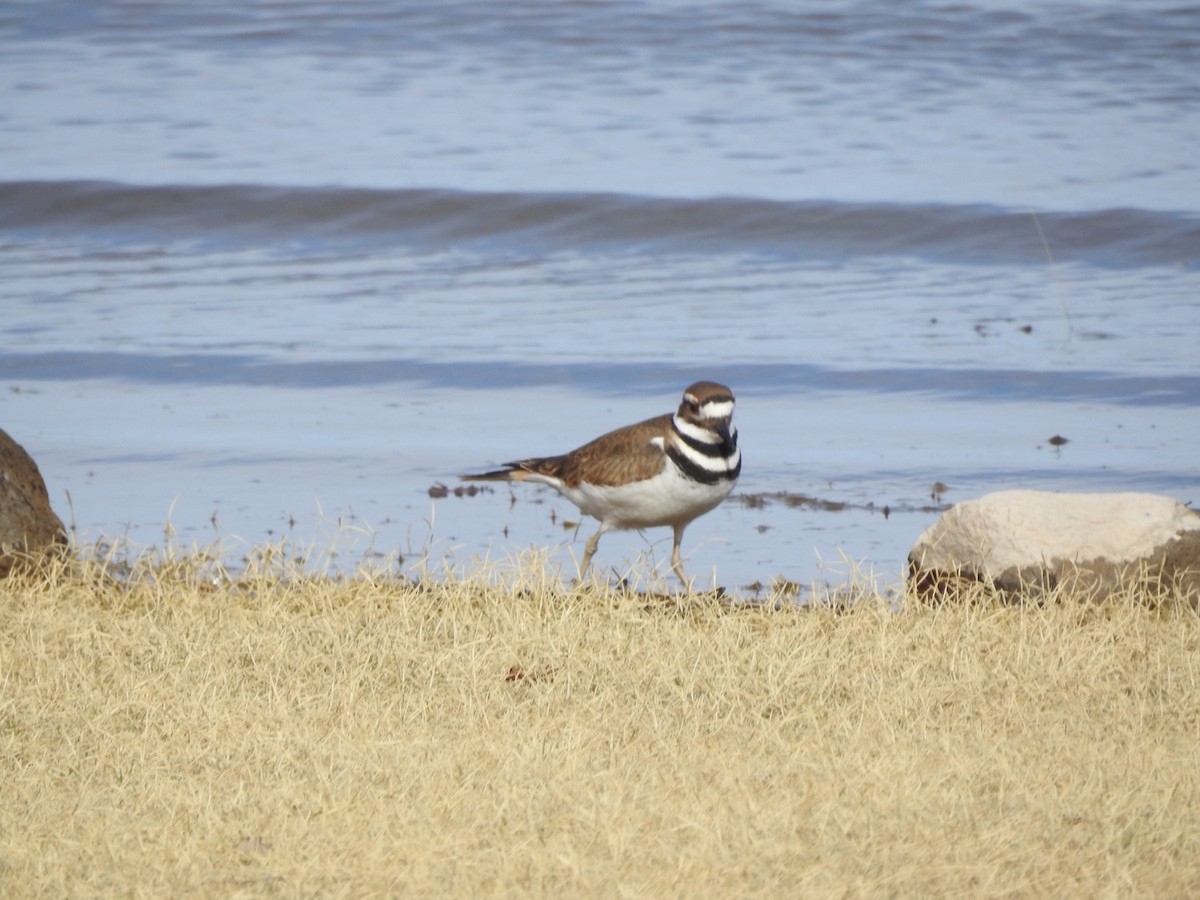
<point>664,471</point>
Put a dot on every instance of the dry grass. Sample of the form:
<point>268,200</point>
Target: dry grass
<point>307,736</point>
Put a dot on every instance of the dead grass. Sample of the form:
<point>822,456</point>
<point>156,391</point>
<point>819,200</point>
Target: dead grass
<point>172,733</point>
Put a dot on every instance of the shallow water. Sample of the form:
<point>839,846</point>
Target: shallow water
<point>275,273</point>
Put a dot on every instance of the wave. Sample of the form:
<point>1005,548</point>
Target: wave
<point>433,219</point>
<point>616,378</point>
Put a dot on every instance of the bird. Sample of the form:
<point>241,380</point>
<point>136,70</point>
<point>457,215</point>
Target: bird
<point>667,470</point>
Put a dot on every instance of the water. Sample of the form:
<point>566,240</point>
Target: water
<point>274,272</point>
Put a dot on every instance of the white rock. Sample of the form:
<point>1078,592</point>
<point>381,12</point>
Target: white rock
<point>1032,541</point>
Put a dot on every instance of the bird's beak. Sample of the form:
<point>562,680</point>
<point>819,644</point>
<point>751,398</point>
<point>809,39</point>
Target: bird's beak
<point>722,428</point>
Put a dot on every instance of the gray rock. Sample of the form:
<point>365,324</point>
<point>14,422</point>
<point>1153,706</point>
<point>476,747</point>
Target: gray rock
<point>1029,543</point>
<point>27,522</point>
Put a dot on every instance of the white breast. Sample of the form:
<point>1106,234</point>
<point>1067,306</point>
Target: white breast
<point>666,499</point>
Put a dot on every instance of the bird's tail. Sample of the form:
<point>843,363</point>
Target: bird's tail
<point>514,471</point>
<point>520,470</point>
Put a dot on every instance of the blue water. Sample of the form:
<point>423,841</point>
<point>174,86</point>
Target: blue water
<point>272,272</point>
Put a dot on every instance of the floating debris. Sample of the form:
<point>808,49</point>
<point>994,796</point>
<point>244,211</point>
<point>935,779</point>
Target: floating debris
<point>790,499</point>
<point>438,490</point>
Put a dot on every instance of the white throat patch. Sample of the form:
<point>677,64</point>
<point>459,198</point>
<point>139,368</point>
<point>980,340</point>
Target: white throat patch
<point>695,432</point>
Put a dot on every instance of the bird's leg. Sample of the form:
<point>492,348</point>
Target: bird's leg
<point>589,550</point>
<point>676,560</point>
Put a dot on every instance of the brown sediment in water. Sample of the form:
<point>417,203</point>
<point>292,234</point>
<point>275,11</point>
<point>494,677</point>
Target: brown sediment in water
<point>794,500</point>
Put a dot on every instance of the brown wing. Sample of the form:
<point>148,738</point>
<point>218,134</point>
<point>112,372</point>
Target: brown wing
<point>615,458</point>
<point>618,457</point>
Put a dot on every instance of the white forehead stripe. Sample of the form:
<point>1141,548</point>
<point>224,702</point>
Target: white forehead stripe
<point>717,409</point>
